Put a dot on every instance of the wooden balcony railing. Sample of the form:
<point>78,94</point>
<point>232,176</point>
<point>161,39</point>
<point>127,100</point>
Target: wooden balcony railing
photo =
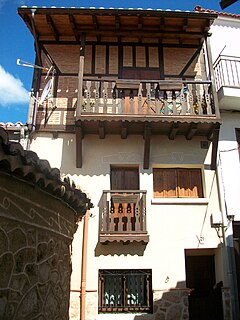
<point>123,216</point>
<point>148,98</point>
<point>227,71</point>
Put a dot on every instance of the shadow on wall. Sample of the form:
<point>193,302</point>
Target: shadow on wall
<point>171,304</point>
<point>119,249</point>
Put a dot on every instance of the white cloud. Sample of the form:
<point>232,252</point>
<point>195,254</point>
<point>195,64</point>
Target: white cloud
<point>12,90</point>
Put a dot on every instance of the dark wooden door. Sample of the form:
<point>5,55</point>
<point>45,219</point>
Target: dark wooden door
<point>205,300</point>
<point>124,178</point>
<point>236,241</point>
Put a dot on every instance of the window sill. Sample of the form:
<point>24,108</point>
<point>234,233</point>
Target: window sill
<point>203,201</point>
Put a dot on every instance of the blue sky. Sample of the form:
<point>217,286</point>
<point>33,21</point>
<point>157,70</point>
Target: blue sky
<point>17,42</point>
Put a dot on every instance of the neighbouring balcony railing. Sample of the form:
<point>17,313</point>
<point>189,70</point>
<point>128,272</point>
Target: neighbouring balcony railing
<point>155,98</point>
<point>123,212</point>
<point>227,71</point>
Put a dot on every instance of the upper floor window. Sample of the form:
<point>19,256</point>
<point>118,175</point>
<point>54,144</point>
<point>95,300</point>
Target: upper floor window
<point>177,183</point>
<point>125,290</point>
<point>124,178</point>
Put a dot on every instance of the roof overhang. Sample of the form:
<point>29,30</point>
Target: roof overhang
<point>67,24</point>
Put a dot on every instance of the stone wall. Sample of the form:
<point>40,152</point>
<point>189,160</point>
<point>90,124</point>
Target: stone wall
<point>36,231</point>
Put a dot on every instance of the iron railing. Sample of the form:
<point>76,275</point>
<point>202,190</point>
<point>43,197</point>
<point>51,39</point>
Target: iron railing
<point>227,71</point>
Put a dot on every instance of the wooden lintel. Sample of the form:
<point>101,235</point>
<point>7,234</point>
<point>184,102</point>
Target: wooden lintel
<point>101,130</point>
<point>215,139</point>
<point>79,137</point>
<point>147,142</point>
<point>173,131</point>
<point>74,27</point>
<point>124,130</point>
<point>191,132</point>
<point>52,26</point>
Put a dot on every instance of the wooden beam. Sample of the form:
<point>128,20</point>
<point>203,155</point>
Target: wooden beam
<point>79,137</point>
<point>117,22</point>
<point>173,131</point>
<point>80,75</point>
<point>190,61</point>
<point>147,137</point>
<point>74,27</point>
<point>215,146</point>
<point>140,22</point>
<point>124,130</point>
<point>95,22</point>
<point>52,27</point>
<point>191,132</point>
<point>101,129</point>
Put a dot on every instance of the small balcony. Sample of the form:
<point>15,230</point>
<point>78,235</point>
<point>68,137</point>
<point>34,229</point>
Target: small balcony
<point>227,75</point>
<point>123,216</point>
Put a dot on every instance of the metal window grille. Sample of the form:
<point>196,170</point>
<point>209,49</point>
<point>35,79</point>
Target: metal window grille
<point>125,290</point>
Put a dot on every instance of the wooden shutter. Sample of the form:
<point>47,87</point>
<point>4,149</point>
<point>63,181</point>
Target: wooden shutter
<point>165,183</point>
<point>124,178</point>
<point>195,187</point>
<point>190,183</point>
<point>177,182</point>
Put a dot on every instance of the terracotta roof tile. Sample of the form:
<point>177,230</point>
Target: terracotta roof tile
<point>26,165</point>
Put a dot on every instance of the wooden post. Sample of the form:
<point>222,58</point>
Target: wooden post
<point>80,75</point>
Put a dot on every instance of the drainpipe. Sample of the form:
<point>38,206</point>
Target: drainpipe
<point>227,265</point>
<point>84,266</point>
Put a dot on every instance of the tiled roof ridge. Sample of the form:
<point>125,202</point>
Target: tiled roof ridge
<point>25,164</point>
<point>223,14</point>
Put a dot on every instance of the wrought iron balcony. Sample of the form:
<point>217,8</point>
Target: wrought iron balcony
<point>123,216</point>
<point>227,75</point>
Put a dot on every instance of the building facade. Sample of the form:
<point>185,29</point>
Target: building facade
<point>126,104</point>
<point>225,55</point>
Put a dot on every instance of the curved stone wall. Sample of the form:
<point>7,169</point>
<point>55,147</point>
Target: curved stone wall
<point>36,231</point>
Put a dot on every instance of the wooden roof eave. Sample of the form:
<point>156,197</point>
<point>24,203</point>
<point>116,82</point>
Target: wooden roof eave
<point>47,16</point>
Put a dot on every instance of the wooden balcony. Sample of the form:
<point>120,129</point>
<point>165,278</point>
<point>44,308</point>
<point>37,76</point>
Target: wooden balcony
<point>148,98</point>
<point>123,216</point>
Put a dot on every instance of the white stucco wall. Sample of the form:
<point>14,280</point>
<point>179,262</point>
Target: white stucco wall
<point>171,227</point>
<point>225,37</point>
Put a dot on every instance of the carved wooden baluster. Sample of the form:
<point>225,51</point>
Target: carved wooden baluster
<point>165,103</point>
<point>174,102</point>
<point>183,103</point>
<point>199,99</point>
<point>148,87</point>
<point>140,99</point>
<point>131,98</point>
<point>112,215</point>
<point>97,87</point>
<point>157,98</point>
<point>88,96</point>
<point>207,98</point>
<point>190,100</point>
<point>122,105</point>
<point>137,215</point>
<point>105,96</point>
<point>120,217</point>
<point>114,97</point>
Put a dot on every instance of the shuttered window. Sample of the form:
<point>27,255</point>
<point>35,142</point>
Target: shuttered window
<point>177,183</point>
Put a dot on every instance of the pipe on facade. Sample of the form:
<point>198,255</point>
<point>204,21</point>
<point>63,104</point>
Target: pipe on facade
<point>228,267</point>
<point>84,266</point>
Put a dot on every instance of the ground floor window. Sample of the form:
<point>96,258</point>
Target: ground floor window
<point>125,290</point>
